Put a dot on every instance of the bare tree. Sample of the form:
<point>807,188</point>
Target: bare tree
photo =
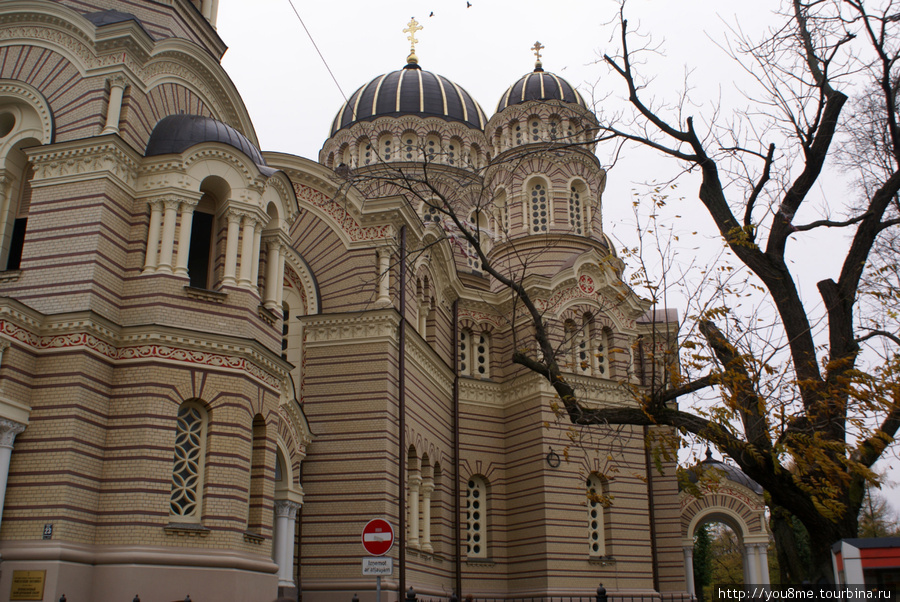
<point>810,442</point>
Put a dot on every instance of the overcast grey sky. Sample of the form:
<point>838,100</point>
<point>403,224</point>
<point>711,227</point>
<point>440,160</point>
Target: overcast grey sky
<point>484,48</point>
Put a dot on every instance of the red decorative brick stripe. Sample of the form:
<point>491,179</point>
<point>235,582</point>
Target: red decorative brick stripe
<point>84,340</point>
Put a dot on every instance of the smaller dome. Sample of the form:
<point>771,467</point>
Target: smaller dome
<point>540,85</point>
<point>732,473</point>
<point>177,133</point>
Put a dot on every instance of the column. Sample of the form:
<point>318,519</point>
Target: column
<point>8,431</point>
<point>752,574</point>
<point>231,247</point>
<point>170,214</point>
<point>249,227</point>
<point>257,238</point>
<point>763,554</point>
<point>153,236</point>
<point>427,489</point>
<point>6,217</point>
<point>689,568</point>
<point>273,277</point>
<point>279,283</point>
<point>117,85</point>
<point>413,539</point>
<point>285,515</point>
<point>184,236</point>
<point>214,13</point>
<point>384,277</point>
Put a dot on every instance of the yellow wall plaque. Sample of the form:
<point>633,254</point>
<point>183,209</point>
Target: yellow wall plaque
<point>27,585</point>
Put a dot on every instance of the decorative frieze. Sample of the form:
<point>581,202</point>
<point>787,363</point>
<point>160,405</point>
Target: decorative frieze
<point>341,216</point>
<point>84,160</point>
<point>199,352</point>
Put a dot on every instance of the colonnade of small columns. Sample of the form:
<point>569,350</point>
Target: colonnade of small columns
<point>172,216</point>
<point>465,154</point>
<point>421,487</point>
<point>566,130</point>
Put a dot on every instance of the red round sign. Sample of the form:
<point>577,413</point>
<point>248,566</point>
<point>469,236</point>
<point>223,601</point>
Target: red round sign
<point>378,537</point>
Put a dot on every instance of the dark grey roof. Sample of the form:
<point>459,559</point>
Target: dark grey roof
<point>177,133</point>
<point>539,85</point>
<point>732,473</point>
<point>108,17</point>
<point>410,91</point>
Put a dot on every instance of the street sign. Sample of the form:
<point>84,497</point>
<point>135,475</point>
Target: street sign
<point>378,566</point>
<point>378,537</point>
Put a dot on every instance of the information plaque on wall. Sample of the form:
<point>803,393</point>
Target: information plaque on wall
<point>27,585</point>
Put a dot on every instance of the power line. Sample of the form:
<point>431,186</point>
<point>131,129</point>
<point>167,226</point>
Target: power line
<point>321,56</point>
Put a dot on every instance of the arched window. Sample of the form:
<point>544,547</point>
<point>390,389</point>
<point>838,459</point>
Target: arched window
<point>465,352</point>
<point>582,345</point>
<point>258,468</point>
<point>24,123</point>
<point>187,470</point>
<point>474,354</point>
<point>554,127</point>
<point>539,206</point>
<point>410,146</point>
<point>534,128</point>
<point>602,338</point>
<point>597,502</point>
<point>481,353</point>
<point>480,228</point>
<point>501,213</point>
<point>477,517</point>
<point>432,148</point>
<point>385,145</point>
<point>413,484</point>
<point>365,152</point>
<point>454,151</point>
<point>577,197</point>
<point>516,128</point>
<point>203,248</point>
<point>430,213</point>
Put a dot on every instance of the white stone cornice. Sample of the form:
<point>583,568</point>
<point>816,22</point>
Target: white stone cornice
<point>81,160</point>
<point>424,357</point>
<point>593,392</point>
<point>351,329</point>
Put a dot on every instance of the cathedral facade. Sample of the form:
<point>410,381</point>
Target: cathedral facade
<point>218,364</point>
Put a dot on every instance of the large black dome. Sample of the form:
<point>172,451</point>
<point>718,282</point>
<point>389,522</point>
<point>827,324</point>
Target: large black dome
<point>410,91</point>
<point>540,85</point>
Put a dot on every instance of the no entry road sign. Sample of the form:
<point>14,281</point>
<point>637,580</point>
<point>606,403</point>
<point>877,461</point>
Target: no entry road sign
<point>378,537</point>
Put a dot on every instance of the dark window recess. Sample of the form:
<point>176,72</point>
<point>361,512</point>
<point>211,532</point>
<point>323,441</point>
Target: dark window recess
<point>200,249</point>
<point>14,259</point>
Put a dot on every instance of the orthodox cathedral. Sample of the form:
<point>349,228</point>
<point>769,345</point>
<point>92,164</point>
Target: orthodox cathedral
<point>218,364</point>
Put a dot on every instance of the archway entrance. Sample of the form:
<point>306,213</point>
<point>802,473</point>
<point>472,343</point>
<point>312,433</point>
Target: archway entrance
<point>726,495</point>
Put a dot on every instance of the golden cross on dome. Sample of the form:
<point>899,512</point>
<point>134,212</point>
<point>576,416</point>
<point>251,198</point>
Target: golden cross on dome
<point>537,50</point>
<point>412,27</point>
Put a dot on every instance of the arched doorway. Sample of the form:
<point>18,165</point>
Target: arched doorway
<point>726,495</point>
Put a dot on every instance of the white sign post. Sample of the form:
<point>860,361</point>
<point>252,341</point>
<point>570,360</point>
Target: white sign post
<point>377,539</point>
